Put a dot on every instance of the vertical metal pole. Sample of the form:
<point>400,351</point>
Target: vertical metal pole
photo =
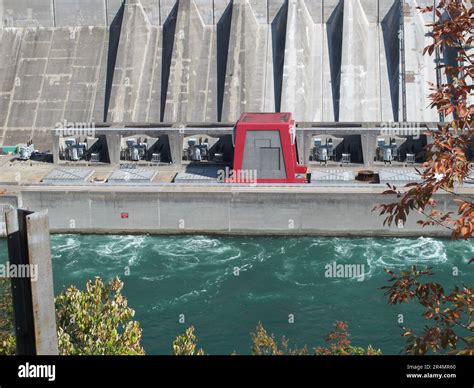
<point>403,64</point>
<point>438,62</point>
<point>159,12</point>
<point>106,8</point>
<point>21,287</point>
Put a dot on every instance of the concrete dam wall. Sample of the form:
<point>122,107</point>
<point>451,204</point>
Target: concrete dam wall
<point>206,61</point>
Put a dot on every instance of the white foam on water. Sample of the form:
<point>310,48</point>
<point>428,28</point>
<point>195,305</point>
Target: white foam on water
<point>71,243</point>
<point>343,250</point>
<point>126,250</point>
<point>154,278</point>
<point>404,253</point>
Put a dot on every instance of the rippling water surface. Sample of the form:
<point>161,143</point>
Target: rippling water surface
<point>224,285</point>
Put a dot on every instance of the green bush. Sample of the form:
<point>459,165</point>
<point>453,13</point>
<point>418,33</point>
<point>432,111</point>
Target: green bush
<point>96,321</point>
<point>185,344</point>
<point>7,329</point>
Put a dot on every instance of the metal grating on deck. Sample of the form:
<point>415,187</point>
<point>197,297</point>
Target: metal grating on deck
<point>399,175</point>
<point>132,175</point>
<point>198,174</point>
<point>68,175</point>
<point>332,175</point>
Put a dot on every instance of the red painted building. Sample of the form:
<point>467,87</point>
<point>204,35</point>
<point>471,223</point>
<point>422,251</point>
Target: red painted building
<point>265,150</point>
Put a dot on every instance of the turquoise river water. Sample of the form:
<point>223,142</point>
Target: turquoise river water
<point>223,286</point>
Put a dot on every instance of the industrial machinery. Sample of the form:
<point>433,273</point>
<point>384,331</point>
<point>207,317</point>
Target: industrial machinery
<point>387,152</point>
<point>135,151</point>
<point>410,159</point>
<point>75,150</point>
<point>25,151</point>
<point>205,148</point>
<point>265,149</point>
<point>323,152</point>
<point>346,158</point>
<point>145,149</point>
<point>80,149</point>
<point>198,150</point>
<point>156,158</point>
<point>95,157</point>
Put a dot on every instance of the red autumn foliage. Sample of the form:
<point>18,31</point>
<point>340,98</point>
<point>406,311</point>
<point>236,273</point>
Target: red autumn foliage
<point>447,311</point>
<point>445,170</point>
<point>447,165</point>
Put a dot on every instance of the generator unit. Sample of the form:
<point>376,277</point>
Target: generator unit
<point>75,150</point>
<point>387,152</point>
<point>135,151</point>
<point>198,150</point>
<point>265,149</point>
<point>323,151</point>
<point>25,151</point>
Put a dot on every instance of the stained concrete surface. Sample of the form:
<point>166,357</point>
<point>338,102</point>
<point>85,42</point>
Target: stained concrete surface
<point>203,61</point>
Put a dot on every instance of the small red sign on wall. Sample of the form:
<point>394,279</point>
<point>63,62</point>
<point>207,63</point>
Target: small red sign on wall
<point>123,215</point>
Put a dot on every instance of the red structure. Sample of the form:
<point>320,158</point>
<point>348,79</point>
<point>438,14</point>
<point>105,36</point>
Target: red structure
<point>265,150</point>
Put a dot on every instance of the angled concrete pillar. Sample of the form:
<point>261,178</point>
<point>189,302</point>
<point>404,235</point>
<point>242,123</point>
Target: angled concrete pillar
<point>249,82</point>
<point>55,147</point>
<point>369,141</point>
<point>113,145</point>
<point>312,60</point>
<point>300,143</point>
<point>192,85</point>
<point>130,96</point>
<point>176,137</point>
<point>419,69</point>
<point>360,69</point>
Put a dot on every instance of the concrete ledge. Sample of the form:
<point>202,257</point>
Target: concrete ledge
<point>229,211</point>
<point>316,233</point>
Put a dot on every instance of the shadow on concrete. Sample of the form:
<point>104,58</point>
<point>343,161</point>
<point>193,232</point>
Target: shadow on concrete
<point>279,25</point>
<point>223,36</point>
<point>101,148</point>
<point>414,146</point>
<point>390,26</point>
<point>162,146</point>
<point>334,31</point>
<point>169,28</point>
<point>352,144</point>
<point>114,39</point>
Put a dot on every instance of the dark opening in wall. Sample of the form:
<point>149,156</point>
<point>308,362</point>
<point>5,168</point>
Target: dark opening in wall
<point>414,146</point>
<point>352,145</point>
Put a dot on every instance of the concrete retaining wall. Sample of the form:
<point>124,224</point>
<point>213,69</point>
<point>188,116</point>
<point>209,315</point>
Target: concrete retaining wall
<point>224,211</point>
